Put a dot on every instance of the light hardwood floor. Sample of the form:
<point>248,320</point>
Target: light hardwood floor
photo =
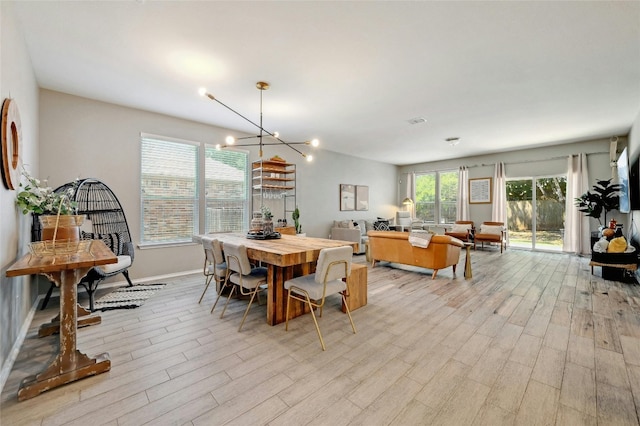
<point>533,338</point>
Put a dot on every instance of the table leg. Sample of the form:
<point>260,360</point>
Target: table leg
<point>467,263</point>
<point>85,319</point>
<point>70,364</point>
<point>277,295</point>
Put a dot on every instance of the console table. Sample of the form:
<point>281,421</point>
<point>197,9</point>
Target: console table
<point>65,271</point>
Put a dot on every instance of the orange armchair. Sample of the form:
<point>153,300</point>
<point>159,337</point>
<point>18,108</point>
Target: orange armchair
<point>462,230</point>
<point>491,232</point>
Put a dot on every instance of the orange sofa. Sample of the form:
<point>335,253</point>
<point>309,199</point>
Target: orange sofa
<point>390,246</point>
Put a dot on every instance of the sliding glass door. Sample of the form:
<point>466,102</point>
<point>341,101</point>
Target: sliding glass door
<point>536,212</point>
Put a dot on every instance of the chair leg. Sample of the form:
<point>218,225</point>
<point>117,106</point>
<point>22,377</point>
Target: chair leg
<point>206,286</point>
<point>233,289</point>
<point>353,326</point>
<point>315,321</point>
<point>246,311</point>
<point>50,291</point>
<point>286,317</point>
<point>126,275</point>
<point>435,272</point>
<point>91,287</point>
<point>225,283</point>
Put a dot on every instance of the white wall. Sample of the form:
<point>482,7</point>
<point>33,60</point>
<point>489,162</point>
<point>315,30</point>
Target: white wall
<point>17,81</point>
<point>86,138</point>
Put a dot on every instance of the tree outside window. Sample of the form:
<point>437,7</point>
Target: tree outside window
<point>436,196</point>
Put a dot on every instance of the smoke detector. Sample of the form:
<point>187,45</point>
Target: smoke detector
<point>417,120</point>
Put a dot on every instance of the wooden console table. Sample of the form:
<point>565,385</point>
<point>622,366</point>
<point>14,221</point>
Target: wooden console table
<point>65,271</point>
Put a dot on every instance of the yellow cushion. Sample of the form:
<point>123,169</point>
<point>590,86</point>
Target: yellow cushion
<point>617,245</point>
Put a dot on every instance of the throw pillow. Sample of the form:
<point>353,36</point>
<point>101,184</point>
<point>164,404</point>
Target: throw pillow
<point>460,228</point>
<point>381,225</point>
<point>490,229</point>
<point>113,241</point>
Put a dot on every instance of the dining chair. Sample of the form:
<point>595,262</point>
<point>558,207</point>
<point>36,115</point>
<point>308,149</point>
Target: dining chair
<point>333,265</point>
<point>242,275</point>
<point>215,267</point>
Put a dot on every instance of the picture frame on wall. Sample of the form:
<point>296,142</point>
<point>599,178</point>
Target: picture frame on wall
<point>362,198</point>
<point>480,191</point>
<point>347,197</point>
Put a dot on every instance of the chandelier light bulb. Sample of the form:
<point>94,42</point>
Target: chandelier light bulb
<point>276,134</point>
<point>315,142</point>
<point>218,147</point>
<point>202,91</point>
<point>230,140</point>
<point>309,158</point>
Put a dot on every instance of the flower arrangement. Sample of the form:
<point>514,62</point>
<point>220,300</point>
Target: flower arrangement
<point>266,212</point>
<point>38,198</point>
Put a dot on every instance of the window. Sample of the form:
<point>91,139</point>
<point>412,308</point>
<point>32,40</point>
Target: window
<point>176,176</point>
<point>436,196</point>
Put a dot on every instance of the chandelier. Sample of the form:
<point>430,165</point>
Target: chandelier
<point>265,137</point>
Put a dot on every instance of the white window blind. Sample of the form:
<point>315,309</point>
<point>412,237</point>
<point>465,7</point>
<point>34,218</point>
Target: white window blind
<point>226,190</point>
<point>174,175</point>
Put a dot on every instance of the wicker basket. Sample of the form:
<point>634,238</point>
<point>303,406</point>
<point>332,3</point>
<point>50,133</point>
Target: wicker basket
<point>59,247</point>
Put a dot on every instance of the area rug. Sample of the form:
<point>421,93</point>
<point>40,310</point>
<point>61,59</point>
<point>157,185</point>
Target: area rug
<point>127,297</point>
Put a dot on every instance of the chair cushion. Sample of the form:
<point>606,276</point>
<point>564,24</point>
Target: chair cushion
<point>314,289</point>
<point>251,280</point>
<point>113,241</point>
<point>220,269</point>
<point>123,263</point>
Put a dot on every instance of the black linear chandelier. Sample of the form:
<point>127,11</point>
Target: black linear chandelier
<point>273,137</point>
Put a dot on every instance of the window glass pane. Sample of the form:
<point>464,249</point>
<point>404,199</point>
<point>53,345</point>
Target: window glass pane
<point>226,190</point>
<point>169,191</point>
<point>448,196</point>
<point>425,190</point>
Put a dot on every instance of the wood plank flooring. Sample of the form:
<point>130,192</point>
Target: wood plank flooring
<point>532,339</point>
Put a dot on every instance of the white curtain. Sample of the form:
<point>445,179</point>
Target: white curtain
<point>462,208</point>
<point>499,210</point>
<point>411,179</point>
<point>577,237</point>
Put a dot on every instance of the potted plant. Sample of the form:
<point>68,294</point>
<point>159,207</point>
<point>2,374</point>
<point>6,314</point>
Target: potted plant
<point>296,221</point>
<point>55,211</point>
<point>603,199</point>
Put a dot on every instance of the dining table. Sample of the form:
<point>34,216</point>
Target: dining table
<point>65,270</point>
<point>286,257</point>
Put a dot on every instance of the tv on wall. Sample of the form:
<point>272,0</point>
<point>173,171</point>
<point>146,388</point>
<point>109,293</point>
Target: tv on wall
<point>623,180</point>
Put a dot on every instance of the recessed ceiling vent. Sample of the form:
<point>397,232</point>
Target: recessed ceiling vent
<point>417,120</point>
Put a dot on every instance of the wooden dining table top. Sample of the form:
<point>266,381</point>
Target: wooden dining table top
<point>288,250</point>
<point>98,254</point>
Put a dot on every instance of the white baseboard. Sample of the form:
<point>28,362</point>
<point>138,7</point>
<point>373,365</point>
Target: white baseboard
<point>7,366</point>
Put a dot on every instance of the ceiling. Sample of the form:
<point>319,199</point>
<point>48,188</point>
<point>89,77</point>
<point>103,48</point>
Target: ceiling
<point>497,75</point>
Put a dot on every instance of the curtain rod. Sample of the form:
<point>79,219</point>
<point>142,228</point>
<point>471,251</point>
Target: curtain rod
<point>560,157</point>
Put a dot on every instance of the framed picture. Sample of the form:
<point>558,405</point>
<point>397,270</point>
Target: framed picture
<point>480,191</point>
<point>362,197</point>
<point>347,197</point>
